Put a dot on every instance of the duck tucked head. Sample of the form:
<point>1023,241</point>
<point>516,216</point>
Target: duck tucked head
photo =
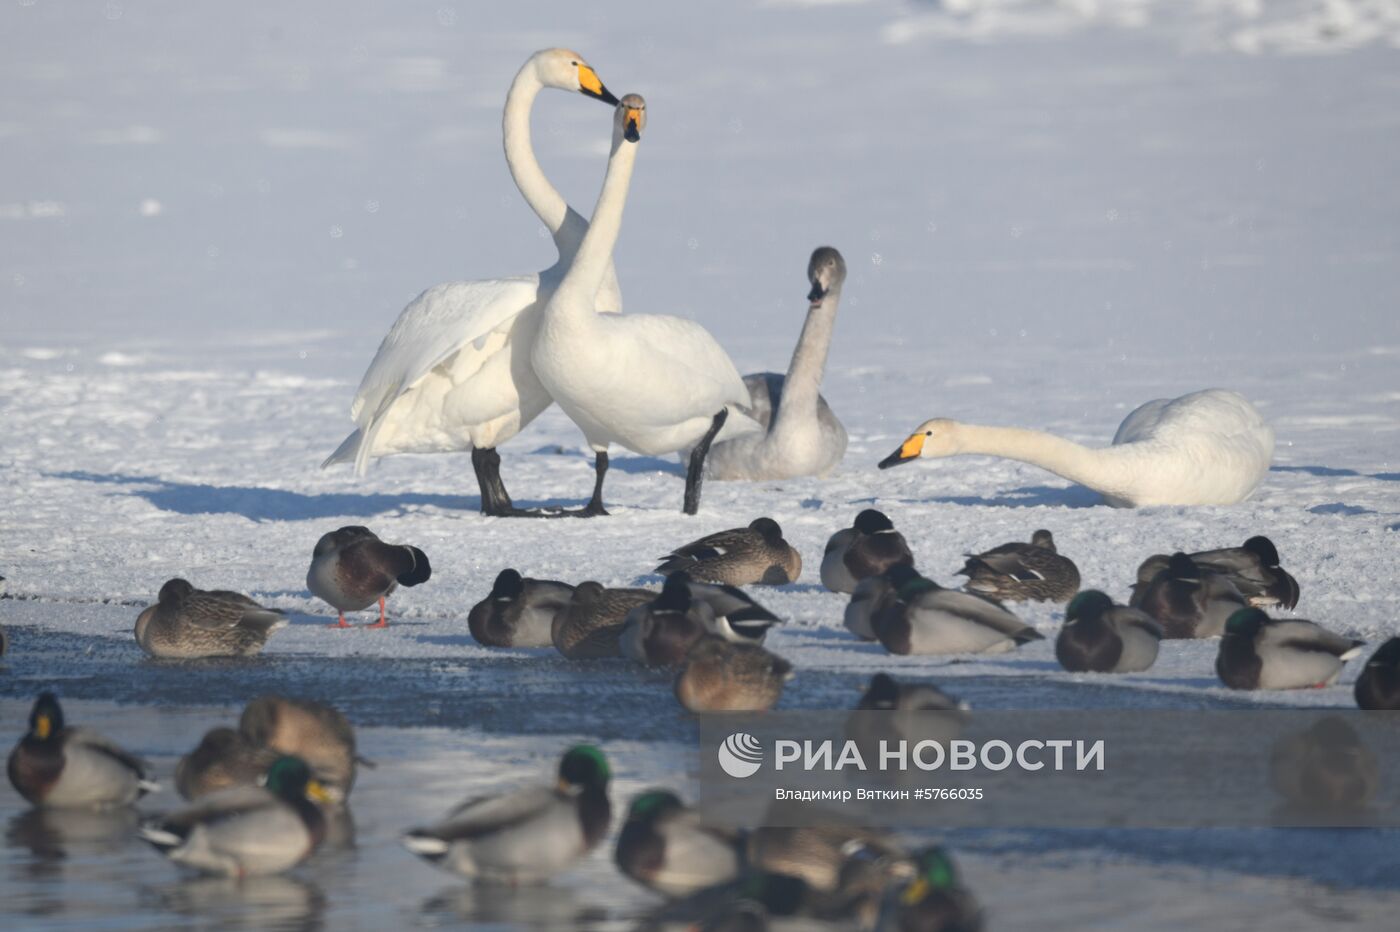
<point>1180,566</point>
<point>675,594</point>
<point>768,529</point>
<point>341,538</point>
<point>583,768</point>
<point>936,874</point>
<point>566,70</point>
<point>631,117</point>
<point>1043,538</point>
<point>907,581</point>
<point>290,779</point>
<point>935,438</point>
<point>1091,603</point>
<point>508,586</point>
<point>652,805</point>
<point>871,521</point>
<point>1245,623</point>
<point>174,592</point>
<point>826,271</point>
<point>46,718</point>
<point>1264,549</point>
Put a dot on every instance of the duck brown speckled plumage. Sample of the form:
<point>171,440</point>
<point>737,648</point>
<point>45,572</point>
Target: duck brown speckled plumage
<point>1019,572</point>
<point>187,623</point>
<point>722,676</point>
<point>746,556</point>
<point>1252,568</point>
<point>590,628</point>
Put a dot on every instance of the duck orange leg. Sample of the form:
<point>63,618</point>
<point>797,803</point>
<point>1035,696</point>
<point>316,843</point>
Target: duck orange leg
<point>342,623</point>
<point>382,622</point>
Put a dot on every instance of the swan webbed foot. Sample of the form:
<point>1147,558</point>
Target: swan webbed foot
<point>495,500</point>
<point>695,475</point>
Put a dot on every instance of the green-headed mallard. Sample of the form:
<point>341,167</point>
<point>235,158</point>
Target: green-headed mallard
<point>925,618</point>
<point>1100,637</point>
<point>187,623</point>
<point>934,901</point>
<point>1378,686</point>
<point>1017,572</point>
<point>224,758</point>
<point>518,612</point>
<point>819,854</point>
<point>246,830</point>
<point>871,594</point>
<point>1252,568</point>
<point>662,632</point>
<point>527,836</point>
<point>312,731</point>
<point>1259,652</point>
<point>591,626</point>
<point>869,547</point>
<point>722,676</point>
<point>1188,600</point>
<point>351,569</point>
<point>54,765</point>
<point>745,556</point>
<point>666,847</point>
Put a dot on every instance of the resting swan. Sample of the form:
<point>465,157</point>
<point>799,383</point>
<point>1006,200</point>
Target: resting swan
<point>802,437</point>
<point>1207,448</point>
<point>454,371</point>
<point>653,384</point>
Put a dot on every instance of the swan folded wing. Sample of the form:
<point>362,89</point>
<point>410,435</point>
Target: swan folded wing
<point>433,327</point>
<point>687,364</point>
<point>486,814</point>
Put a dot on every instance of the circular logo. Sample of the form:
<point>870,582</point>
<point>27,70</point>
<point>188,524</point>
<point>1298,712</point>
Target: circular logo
<point>740,755</point>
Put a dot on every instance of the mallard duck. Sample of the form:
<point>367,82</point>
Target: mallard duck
<point>526,836</point>
<point>666,847</point>
<point>351,569</point>
<point>312,731</point>
<point>1325,768</point>
<point>745,556</point>
<point>1189,601</point>
<point>53,765</point>
<point>819,854</point>
<point>519,612</point>
<point>934,901</point>
<point>871,594</point>
<point>591,626</point>
<point>223,759</point>
<point>1100,637</point>
<point>1378,686</point>
<point>1252,568</point>
<point>247,830</point>
<point>869,547</point>
<point>662,632</point>
<point>890,712</point>
<point>722,676</point>
<point>186,623</point>
<point>925,618</point>
<point>1259,652</point>
<point>1016,572</point>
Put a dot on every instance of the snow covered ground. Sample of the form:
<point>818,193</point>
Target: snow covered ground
<point>1052,211</point>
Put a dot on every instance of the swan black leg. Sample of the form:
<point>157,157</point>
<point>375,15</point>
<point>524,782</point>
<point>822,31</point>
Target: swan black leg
<point>695,475</point>
<point>595,504</point>
<point>495,500</point>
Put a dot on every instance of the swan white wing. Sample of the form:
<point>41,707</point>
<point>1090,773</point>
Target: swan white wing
<point>433,327</point>
<point>695,361</point>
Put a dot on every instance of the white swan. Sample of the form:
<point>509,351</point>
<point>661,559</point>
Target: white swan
<point>454,371</point>
<point>802,437</point>
<point>653,384</point>
<point>1207,448</point>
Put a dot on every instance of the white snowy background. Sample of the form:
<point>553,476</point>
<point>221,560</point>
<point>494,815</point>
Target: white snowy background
<point>1052,211</point>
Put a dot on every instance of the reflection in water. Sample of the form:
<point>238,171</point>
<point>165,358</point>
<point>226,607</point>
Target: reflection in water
<point>276,901</point>
<point>53,835</point>
<point>1324,775</point>
<point>530,907</point>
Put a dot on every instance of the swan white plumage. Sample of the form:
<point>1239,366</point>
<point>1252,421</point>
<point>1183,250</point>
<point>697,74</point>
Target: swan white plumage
<point>1210,447</point>
<point>454,371</point>
<point>653,384</point>
<point>802,437</point>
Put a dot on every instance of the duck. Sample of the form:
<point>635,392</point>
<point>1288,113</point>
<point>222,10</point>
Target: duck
<point>526,836</point>
<point>651,383</point>
<point>223,758</point>
<point>1324,769</point>
<point>871,594</point>
<point>1252,568</point>
<point>311,731</point>
<point>925,618</point>
<point>351,569</point>
<point>869,547</point>
<point>719,675</point>
<point>590,628</point>
<point>519,612</point>
<point>801,436</point>
<point>1259,652</point>
<point>454,371</point>
<point>660,633</point>
<point>1188,600</point>
<point>1378,686</point>
<point>1210,447</point>
<point>817,854</point>
<point>1100,637</point>
<point>1018,572</point>
<point>745,556</point>
<point>188,623</point>
<point>934,901</point>
<point>60,767</point>
<point>910,712</point>
<point>665,846</point>
<point>246,830</point>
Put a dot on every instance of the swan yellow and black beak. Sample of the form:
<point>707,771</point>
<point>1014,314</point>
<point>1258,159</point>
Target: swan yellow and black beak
<point>590,85</point>
<point>908,450</point>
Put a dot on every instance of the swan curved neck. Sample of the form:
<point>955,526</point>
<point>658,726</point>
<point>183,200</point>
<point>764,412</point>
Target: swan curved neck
<point>594,258</point>
<point>802,386</point>
<point>1098,469</point>
<point>544,199</point>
